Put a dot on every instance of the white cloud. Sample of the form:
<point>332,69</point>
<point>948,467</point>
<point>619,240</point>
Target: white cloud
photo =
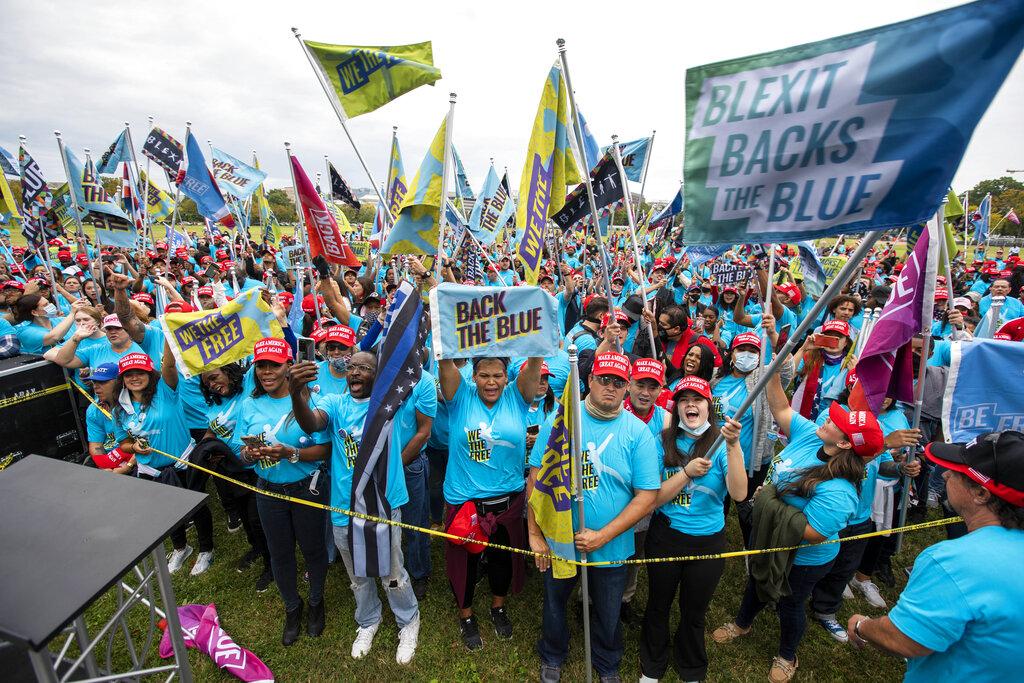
<point>235,70</point>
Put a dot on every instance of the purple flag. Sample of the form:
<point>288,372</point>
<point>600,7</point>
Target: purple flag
<point>885,368</point>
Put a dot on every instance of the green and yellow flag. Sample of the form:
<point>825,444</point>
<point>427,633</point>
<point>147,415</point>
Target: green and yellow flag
<point>397,187</point>
<point>159,204</point>
<point>954,210</point>
<point>365,78</point>
<point>550,166</point>
<point>271,227</point>
<point>7,203</point>
<point>416,227</point>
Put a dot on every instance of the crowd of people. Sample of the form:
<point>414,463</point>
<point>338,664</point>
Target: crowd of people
<point>665,358</point>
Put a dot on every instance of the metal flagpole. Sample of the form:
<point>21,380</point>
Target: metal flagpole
<point>586,181</point>
<point>936,238</point>
<point>71,187</point>
<point>835,245</point>
<point>44,247</point>
<point>488,258</point>
<point>763,356</point>
<point>575,443</point>
<point>442,220</point>
<point>390,180</point>
<point>967,212</point>
<point>341,117</point>
<point>617,154</point>
<point>301,229</point>
<point>832,290</point>
<point>643,178</point>
<point>145,200</point>
<point>177,186</point>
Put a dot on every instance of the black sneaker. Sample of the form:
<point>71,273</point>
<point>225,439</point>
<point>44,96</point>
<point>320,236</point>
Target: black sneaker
<point>234,523</point>
<point>263,583</point>
<point>419,587</point>
<point>470,633</point>
<point>315,619</point>
<point>502,626</point>
<point>247,560</point>
<point>884,575</point>
<point>292,622</point>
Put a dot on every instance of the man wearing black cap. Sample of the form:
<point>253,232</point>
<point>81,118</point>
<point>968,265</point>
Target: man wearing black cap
<point>959,617</point>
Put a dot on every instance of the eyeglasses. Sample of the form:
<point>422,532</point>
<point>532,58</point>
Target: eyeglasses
<point>361,367</point>
<point>608,380</point>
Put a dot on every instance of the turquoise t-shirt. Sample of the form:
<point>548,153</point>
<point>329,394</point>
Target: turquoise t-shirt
<point>97,352</point>
<point>963,601</point>
<point>617,458</point>
<point>162,422</point>
<point>222,418</point>
<point>327,384</point>
<point>345,417</point>
<point>31,337</point>
<point>832,504</point>
<point>697,509</point>
<point>422,399</point>
<point>100,429</point>
<point>485,445</point>
<point>273,419</point>
<point>729,393</point>
<point>193,403</point>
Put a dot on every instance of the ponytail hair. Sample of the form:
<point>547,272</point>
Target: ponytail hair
<point>843,465</point>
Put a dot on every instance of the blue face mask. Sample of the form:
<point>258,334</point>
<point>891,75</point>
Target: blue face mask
<point>340,365</point>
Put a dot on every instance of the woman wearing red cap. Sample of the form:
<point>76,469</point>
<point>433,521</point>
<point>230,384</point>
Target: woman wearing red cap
<point>688,521</point>
<point>288,464</point>
<point>817,473</point>
<point>823,369</point>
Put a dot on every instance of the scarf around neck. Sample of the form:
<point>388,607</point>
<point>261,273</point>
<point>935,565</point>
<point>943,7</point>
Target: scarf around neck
<point>599,414</point>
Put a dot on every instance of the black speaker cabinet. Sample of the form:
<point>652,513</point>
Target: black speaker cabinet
<point>37,412</point>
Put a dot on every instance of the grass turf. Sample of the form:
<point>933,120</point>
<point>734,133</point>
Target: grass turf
<point>254,620</point>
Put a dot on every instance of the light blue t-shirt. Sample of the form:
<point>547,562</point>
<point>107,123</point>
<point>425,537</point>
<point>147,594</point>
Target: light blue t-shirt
<point>222,418</point>
<point>697,509</point>
<point>99,351</point>
<point>558,364</point>
<point>345,420</point>
<point>273,419</point>
<point>832,504</point>
<point>100,429</point>
<point>162,422</point>
<point>31,336</point>
<point>192,402</point>
<point>422,399</point>
<point>729,393</point>
<point>326,383</point>
<point>485,445</point>
<point>963,601</point>
<point>617,457</point>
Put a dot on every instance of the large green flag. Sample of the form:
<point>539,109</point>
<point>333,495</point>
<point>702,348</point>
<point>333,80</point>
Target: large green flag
<point>365,78</point>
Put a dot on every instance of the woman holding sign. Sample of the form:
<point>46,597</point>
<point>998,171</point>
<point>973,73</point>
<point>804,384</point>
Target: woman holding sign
<point>485,476</point>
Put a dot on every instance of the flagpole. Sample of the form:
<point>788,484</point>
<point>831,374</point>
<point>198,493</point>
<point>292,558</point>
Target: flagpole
<point>586,181</point>
<point>807,323</point>
<point>177,186</point>
<point>302,232</point>
<point>763,356</point>
<point>643,178</point>
<point>443,218</point>
<point>341,118</point>
<point>145,200</point>
<point>43,247</point>
<point>575,443</point>
<point>937,239</point>
<point>627,200</point>
<point>71,188</point>
<point>967,212</point>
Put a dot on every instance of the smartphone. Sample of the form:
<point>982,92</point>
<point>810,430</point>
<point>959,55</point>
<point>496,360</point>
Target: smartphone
<point>826,341</point>
<point>212,270</point>
<point>307,349</point>
<point>254,441</point>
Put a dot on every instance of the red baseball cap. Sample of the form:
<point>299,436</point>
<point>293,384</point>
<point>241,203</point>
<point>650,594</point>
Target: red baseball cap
<point>994,460</point>
<point>178,307</point>
<point>307,303</point>
<point>181,252</point>
<point>1014,330</point>
<point>342,334</point>
<point>620,317</point>
<point>272,349</point>
<point>112,459</point>
<point>286,298</point>
<point>221,255</point>
<point>941,294</point>
<point>143,297</point>
<point>188,280</point>
<point>790,290</point>
<point>544,369</point>
<point>205,260</point>
<point>840,326</point>
<point>649,368</point>
<point>611,363</point>
<point>750,338</point>
<point>14,284</point>
<point>64,254</point>
<point>205,291</point>
<point>134,361</point>
<point>225,266</point>
<point>695,384</point>
<point>83,259</point>
<point>860,427</point>
<point>851,379</point>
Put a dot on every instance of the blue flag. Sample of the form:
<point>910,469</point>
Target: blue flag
<point>591,151</point>
<point>8,166</point>
<point>118,152</point>
<point>634,157</point>
<point>199,186</point>
<point>854,133</point>
<point>462,186</point>
<point>671,209</point>
<point>980,220</point>
<point>812,268</point>
<point>492,210</point>
<point>702,254</point>
<point>981,396</point>
<point>236,177</point>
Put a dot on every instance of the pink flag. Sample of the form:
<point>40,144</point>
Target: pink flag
<point>1012,217</point>
<point>201,630</point>
<point>885,368</point>
<point>324,236</point>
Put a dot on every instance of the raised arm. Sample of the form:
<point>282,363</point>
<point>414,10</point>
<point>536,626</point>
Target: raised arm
<point>528,380</point>
<point>310,419</point>
<point>451,378</point>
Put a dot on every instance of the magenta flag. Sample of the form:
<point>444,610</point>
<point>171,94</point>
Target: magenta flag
<point>886,368</point>
<point>200,627</point>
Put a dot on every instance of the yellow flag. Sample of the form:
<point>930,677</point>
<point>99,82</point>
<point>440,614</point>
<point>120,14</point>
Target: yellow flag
<point>396,188</point>
<point>7,202</point>
<point>271,227</point>
<point>549,167</point>
<point>416,228</point>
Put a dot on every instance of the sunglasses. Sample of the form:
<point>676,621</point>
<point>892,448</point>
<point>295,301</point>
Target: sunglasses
<point>608,380</point>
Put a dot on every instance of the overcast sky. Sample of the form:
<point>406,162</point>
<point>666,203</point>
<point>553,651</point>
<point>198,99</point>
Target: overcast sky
<point>235,70</point>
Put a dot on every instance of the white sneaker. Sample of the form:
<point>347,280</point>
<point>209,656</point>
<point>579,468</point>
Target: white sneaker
<point>364,641</point>
<point>870,591</point>
<point>203,562</point>
<point>176,560</point>
<point>408,637</point>
<point>847,593</point>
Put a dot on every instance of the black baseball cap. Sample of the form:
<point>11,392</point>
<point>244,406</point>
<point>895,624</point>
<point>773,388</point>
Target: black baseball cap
<point>995,460</point>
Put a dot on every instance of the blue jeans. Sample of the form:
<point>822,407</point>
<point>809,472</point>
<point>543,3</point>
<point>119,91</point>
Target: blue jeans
<point>417,512</point>
<point>607,585</point>
<point>396,586</point>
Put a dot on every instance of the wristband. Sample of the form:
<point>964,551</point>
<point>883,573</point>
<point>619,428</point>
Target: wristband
<point>111,459</point>
<point>856,629</point>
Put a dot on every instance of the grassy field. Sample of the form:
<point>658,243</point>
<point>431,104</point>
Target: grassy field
<point>254,620</point>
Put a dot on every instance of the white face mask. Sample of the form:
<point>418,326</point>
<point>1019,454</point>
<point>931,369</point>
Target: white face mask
<point>745,361</point>
<point>50,310</point>
<point>698,431</point>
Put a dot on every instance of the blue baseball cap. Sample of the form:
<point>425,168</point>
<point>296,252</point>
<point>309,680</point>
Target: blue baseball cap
<point>104,373</point>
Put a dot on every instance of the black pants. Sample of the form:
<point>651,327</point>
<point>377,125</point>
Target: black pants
<point>216,455</point>
<point>437,459</point>
<point>745,509</point>
<point>791,610</point>
<point>498,565</point>
<point>827,596</point>
<point>202,517</point>
<point>287,524</point>
<point>696,583</point>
